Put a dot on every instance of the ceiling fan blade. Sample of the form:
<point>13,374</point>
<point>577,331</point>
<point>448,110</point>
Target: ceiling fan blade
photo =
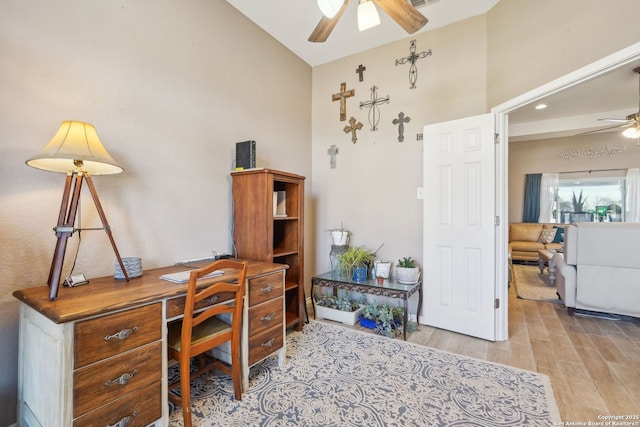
<point>322,31</point>
<point>604,129</point>
<point>404,14</point>
<point>617,120</point>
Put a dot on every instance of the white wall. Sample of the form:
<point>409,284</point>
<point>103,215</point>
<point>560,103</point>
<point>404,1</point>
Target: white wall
<point>171,87</point>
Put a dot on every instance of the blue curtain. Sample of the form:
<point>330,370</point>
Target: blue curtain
<point>531,197</point>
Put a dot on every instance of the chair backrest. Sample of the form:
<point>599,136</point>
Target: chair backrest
<point>232,293</point>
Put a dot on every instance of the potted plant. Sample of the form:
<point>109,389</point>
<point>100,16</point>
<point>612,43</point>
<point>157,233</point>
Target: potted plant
<point>406,271</point>
<point>385,319</point>
<point>353,262</point>
<point>578,202</point>
<point>341,309</point>
<point>340,236</point>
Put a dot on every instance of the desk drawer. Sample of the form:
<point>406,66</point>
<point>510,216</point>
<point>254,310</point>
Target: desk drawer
<point>263,344</point>
<point>175,306</point>
<point>100,383</point>
<point>266,287</point>
<point>266,315</point>
<point>140,408</point>
<point>107,336</point>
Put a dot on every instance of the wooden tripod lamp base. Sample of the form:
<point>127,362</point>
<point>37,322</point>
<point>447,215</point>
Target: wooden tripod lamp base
<point>76,151</point>
<point>66,222</point>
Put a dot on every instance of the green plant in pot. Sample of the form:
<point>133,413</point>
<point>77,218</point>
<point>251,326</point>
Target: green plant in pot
<point>407,271</point>
<point>340,236</point>
<point>577,202</point>
<point>354,260</point>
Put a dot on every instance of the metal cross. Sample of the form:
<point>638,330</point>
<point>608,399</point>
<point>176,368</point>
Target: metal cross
<point>342,97</point>
<point>332,151</point>
<point>360,71</point>
<point>353,126</point>
<point>412,58</point>
<point>400,121</point>
<point>374,110</point>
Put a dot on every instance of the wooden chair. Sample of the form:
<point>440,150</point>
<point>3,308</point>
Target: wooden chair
<point>200,331</point>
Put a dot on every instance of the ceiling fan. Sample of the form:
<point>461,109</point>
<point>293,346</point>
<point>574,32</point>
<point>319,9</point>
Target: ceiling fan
<point>631,122</point>
<point>400,11</point>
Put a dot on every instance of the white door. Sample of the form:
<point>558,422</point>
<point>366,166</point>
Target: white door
<point>459,226</point>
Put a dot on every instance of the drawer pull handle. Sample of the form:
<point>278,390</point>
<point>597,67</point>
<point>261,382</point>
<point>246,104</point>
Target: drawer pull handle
<point>212,299</point>
<point>122,379</point>
<point>268,317</point>
<point>122,335</point>
<point>268,343</point>
<point>124,422</point>
<point>266,290</point>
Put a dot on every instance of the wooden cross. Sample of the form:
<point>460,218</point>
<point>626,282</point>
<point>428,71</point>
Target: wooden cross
<point>332,151</point>
<point>353,126</point>
<point>374,110</point>
<point>412,58</point>
<point>360,72</point>
<point>342,97</point>
<point>400,121</point>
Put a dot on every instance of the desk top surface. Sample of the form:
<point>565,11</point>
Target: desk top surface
<point>107,294</point>
<point>373,283</point>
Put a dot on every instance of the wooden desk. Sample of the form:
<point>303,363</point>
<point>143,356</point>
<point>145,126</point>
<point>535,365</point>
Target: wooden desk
<point>98,352</point>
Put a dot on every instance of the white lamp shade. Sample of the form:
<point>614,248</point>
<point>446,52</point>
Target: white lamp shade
<point>632,132</point>
<point>75,141</point>
<point>329,8</point>
<point>367,15</point>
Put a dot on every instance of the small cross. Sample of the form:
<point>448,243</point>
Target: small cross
<point>342,97</point>
<point>353,126</point>
<point>412,58</point>
<point>374,110</point>
<point>400,121</point>
<point>332,151</point>
<point>360,72</point>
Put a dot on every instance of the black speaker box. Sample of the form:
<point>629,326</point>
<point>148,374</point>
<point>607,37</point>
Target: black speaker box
<point>246,155</point>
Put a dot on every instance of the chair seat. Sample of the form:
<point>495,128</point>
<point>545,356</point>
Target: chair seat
<point>207,329</point>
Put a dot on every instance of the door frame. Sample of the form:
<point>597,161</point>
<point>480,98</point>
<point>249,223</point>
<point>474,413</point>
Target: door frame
<point>595,69</point>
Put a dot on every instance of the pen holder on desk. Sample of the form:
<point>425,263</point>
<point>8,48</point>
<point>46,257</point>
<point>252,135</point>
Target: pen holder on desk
<point>132,265</point>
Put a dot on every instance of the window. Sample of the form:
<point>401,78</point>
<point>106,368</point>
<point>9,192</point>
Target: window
<point>590,196</point>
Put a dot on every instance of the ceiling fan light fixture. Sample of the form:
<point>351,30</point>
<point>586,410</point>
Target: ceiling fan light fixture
<point>632,132</point>
<point>329,8</point>
<point>367,15</point>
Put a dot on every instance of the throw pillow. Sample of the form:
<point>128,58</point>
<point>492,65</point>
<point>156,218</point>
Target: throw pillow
<point>559,238</point>
<point>547,235</point>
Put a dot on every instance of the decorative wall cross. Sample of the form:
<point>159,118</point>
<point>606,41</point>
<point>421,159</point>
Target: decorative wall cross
<point>412,58</point>
<point>332,151</point>
<point>374,110</point>
<point>342,97</point>
<point>400,121</point>
<point>360,71</point>
<point>353,127</point>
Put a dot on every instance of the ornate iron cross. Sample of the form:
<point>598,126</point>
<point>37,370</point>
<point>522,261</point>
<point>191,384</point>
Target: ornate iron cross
<point>374,110</point>
<point>342,97</point>
<point>412,58</point>
<point>332,151</point>
<point>360,71</point>
<point>353,127</point>
<point>400,121</point>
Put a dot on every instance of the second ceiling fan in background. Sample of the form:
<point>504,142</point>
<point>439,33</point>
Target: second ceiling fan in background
<point>400,11</point>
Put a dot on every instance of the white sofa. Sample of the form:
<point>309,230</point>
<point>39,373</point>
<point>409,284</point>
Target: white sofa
<point>600,268</point>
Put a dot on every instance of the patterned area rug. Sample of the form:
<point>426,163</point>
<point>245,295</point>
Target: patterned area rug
<point>532,285</point>
<point>335,376</point>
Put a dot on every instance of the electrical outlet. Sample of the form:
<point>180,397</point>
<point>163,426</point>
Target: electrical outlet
<point>420,193</point>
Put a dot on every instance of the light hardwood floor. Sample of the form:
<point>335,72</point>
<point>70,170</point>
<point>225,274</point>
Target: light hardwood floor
<point>593,364</point>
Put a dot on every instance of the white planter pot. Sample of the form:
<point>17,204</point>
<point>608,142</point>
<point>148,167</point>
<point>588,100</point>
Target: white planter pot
<point>382,269</point>
<point>407,276</point>
<point>340,238</point>
<point>346,317</point>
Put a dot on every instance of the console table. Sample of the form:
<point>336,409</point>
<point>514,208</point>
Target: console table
<point>389,288</point>
<point>97,354</point>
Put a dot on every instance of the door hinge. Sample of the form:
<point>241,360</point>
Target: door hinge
<point>496,138</point>
<point>497,303</point>
<point>496,221</point>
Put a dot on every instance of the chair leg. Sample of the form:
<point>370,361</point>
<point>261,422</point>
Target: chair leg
<point>236,369</point>
<point>185,392</point>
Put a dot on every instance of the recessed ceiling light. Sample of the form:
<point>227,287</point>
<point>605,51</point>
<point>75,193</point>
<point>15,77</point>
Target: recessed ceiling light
<point>541,106</point>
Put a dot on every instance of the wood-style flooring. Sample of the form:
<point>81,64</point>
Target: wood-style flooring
<point>593,364</point>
